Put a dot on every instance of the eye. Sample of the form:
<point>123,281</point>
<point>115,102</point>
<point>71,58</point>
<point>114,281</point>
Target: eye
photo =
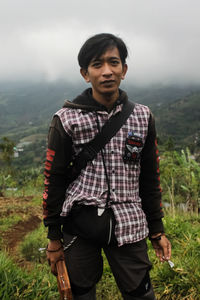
<point>96,64</point>
<point>115,62</point>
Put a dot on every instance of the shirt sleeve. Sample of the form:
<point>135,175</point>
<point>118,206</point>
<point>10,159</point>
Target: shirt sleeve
<point>150,191</point>
<point>58,157</point>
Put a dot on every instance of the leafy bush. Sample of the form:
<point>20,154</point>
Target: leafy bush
<point>180,177</point>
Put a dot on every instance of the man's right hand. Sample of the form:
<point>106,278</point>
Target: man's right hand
<point>54,254</point>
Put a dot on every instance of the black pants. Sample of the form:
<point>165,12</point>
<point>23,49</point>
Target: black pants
<point>129,263</point>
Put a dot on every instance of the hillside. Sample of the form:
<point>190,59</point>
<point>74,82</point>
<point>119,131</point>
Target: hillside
<point>27,108</point>
<point>181,120</point>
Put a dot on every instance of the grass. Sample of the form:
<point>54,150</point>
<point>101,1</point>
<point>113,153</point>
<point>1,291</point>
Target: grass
<point>180,283</point>
<point>32,242</point>
<point>107,288</point>
<point>33,138</point>
<point>9,221</point>
<point>183,281</point>
<point>15,283</point>
<point>29,190</point>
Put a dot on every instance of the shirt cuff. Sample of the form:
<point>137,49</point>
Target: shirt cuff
<point>155,226</point>
<point>54,232</point>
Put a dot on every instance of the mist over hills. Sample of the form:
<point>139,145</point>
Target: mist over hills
<point>26,109</point>
<point>24,103</point>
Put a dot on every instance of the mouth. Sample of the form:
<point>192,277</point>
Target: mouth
<point>108,82</point>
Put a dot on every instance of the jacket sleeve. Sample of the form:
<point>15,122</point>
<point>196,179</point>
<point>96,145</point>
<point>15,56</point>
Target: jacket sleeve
<point>150,191</point>
<point>58,157</point>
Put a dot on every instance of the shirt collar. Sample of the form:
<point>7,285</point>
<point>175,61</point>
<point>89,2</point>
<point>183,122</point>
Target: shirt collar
<point>86,99</point>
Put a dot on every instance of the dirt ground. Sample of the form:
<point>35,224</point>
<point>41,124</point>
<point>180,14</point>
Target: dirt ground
<point>30,217</point>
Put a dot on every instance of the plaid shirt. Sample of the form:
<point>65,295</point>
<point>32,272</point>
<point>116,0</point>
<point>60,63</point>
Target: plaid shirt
<point>135,195</point>
<point>91,188</point>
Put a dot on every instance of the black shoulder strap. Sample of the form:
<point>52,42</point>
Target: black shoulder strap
<point>110,128</point>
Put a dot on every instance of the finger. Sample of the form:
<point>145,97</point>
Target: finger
<point>161,255</point>
<point>166,248</point>
<point>167,251</point>
<point>158,250</point>
<point>53,269</point>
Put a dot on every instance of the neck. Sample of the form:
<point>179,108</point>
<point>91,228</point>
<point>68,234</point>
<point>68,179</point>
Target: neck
<point>106,99</point>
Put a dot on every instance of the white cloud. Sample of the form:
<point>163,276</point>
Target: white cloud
<point>41,39</point>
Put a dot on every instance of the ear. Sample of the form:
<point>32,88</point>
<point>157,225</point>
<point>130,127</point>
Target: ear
<point>85,75</point>
<point>125,68</point>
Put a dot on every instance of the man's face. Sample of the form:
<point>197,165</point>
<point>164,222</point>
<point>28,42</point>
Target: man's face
<point>105,73</point>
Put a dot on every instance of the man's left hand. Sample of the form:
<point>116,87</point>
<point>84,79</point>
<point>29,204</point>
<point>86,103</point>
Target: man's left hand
<point>162,248</point>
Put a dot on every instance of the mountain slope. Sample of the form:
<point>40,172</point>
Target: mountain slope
<point>180,119</point>
<point>26,111</point>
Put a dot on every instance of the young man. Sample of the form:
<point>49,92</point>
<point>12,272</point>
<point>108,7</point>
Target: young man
<point>119,186</point>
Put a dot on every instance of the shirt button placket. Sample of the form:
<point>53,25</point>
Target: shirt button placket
<point>112,168</point>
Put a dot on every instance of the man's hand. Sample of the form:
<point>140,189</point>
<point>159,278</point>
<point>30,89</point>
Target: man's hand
<point>162,247</point>
<point>54,254</point>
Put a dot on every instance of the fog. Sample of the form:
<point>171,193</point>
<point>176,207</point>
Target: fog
<point>40,40</point>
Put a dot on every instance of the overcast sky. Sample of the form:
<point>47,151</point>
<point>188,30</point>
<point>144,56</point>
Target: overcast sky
<point>40,39</point>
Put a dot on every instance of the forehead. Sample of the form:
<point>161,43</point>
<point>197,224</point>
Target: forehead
<point>109,53</point>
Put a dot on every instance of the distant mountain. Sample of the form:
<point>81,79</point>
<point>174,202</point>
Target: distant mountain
<point>156,96</point>
<point>27,108</point>
<point>176,110</point>
<point>180,119</point>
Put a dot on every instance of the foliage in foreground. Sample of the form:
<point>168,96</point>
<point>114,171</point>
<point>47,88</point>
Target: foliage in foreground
<point>29,248</point>
<point>181,282</point>
<point>180,177</point>
<point>15,283</point>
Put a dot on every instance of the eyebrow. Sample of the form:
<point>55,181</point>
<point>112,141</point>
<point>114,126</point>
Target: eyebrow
<point>109,58</point>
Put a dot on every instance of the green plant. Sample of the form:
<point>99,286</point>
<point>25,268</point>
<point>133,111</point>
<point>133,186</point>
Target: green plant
<point>17,284</point>
<point>32,242</point>
<point>7,150</point>
<point>180,177</point>
<point>182,281</point>
<point>9,221</point>
<point>107,288</point>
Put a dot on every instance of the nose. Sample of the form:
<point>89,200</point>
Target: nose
<point>107,71</point>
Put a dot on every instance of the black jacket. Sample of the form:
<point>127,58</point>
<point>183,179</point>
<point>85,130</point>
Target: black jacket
<point>56,172</point>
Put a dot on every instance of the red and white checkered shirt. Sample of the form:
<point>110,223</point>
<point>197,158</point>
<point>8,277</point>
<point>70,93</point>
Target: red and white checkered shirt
<point>91,188</point>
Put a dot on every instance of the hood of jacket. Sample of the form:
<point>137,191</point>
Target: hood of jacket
<point>85,101</point>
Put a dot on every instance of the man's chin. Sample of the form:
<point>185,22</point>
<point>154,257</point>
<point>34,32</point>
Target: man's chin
<point>109,91</point>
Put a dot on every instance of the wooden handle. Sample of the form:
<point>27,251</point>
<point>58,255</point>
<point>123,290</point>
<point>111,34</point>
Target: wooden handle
<point>63,281</point>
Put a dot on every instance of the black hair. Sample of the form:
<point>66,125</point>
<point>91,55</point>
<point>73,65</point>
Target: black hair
<point>97,45</point>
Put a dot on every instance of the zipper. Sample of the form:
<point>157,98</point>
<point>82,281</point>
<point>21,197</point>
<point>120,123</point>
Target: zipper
<point>110,231</point>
